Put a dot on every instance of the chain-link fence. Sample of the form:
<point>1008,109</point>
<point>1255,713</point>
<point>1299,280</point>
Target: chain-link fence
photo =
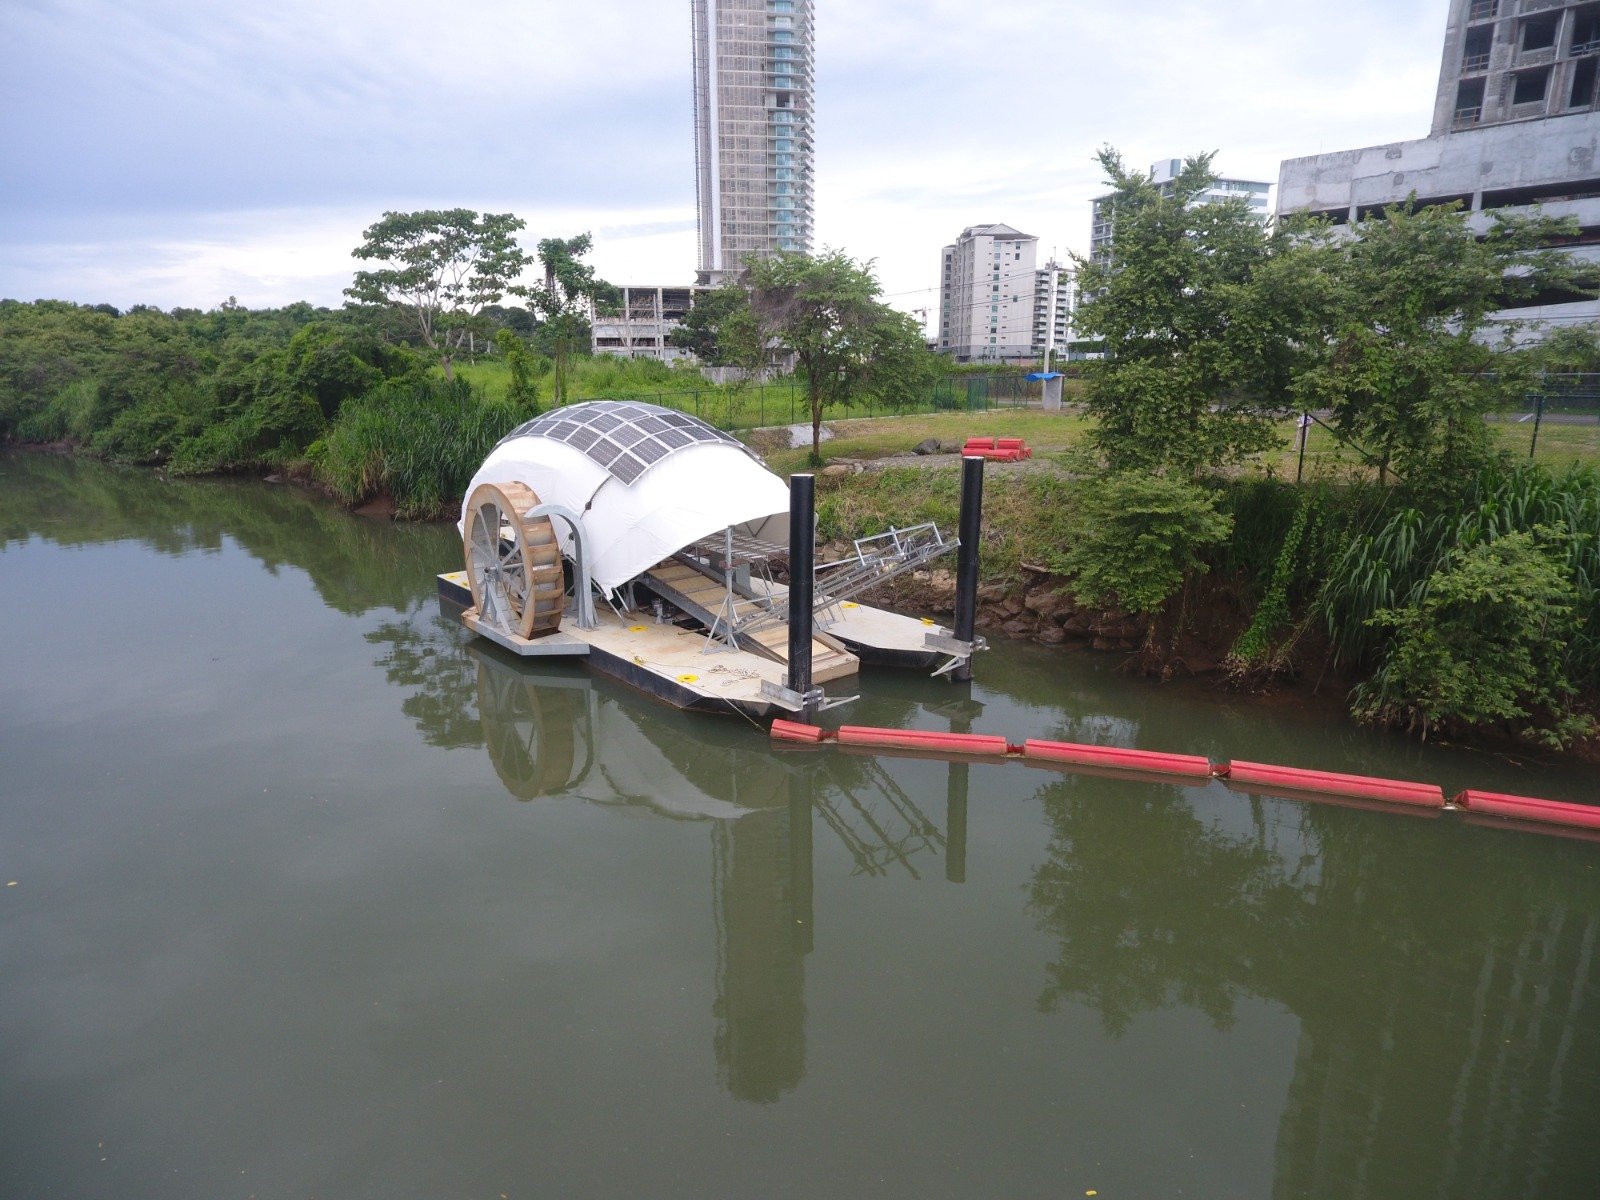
<point>1557,422</point>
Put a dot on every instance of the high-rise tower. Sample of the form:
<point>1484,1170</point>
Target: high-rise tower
<point>753,129</point>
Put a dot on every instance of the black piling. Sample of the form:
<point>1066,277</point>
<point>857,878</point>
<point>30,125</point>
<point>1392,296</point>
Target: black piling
<point>802,562</point>
<point>966,618</point>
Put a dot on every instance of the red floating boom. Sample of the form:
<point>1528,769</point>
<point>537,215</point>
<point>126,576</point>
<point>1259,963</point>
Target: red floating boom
<point>1553,812</point>
<point>1295,779</point>
<point>794,731</point>
<point>920,739</point>
<point>1189,765</point>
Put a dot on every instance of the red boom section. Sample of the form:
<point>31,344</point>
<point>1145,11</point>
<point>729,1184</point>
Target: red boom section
<point>1553,812</point>
<point>991,745</point>
<point>1189,765</point>
<point>1296,779</point>
<point>794,731</point>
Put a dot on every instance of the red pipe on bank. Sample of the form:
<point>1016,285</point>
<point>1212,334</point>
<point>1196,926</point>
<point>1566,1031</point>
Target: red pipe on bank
<point>1297,779</point>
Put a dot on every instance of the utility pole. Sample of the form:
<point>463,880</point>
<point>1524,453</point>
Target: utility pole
<point>1050,321</point>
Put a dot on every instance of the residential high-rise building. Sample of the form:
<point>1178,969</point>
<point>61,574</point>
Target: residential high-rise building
<point>1514,126</point>
<point>753,90</point>
<point>1164,174</point>
<point>987,288</point>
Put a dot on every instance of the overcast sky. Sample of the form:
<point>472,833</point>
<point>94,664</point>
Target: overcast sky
<point>177,152</point>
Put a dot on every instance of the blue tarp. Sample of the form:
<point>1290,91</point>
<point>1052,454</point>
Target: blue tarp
<point>1037,375</point>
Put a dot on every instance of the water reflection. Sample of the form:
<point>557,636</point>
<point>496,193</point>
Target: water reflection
<point>1448,1038</point>
<point>355,564</point>
<point>542,725</point>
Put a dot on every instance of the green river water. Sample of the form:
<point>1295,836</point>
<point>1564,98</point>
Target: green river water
<point>315,897</point>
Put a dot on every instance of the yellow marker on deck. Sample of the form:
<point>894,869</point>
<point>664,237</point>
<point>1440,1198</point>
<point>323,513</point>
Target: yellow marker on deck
<point>688,679</point>
<point>637,628</point>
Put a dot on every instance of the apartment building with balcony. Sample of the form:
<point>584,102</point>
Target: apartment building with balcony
<point>988,285</point>
<point>753,102</point>
<point>1515,130</point>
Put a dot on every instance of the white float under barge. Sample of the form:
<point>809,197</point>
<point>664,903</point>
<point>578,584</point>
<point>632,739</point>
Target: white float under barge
<point>645,540</point>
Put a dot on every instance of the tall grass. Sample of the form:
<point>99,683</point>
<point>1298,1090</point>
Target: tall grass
<point>1390,566</point>
<point>418,440</point>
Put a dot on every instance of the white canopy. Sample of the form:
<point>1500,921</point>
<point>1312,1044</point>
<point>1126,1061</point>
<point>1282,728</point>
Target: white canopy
<point>691,492</point>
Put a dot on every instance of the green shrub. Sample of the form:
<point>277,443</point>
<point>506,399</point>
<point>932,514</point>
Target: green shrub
<point>1482,645</point>
<point>1135,538</point>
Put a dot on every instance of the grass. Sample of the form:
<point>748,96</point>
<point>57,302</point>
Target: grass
<point>1559,446</point>
<point>732,407</point>
<point>886,437</point>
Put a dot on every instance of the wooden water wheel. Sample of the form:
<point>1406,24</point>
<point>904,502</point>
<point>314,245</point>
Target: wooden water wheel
<point>513,560</point>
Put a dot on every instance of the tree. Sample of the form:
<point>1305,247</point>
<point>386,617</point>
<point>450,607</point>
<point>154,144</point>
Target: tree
<point>569,294</point>
<point>442,267</point>
<point>827,310</point>
<point>1193,368</point>
<point>1404,351</point>
<point>702,330</point>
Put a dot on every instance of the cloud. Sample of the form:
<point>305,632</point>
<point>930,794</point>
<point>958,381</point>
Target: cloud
<point>201,150</point>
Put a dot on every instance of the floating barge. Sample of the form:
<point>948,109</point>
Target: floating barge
<point>644,541</point>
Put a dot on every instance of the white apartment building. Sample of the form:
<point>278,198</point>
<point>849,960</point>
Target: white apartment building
<point>753,99</point>
<point>988,292</point>
<point>1514,130</point>
<point>1163,174</point>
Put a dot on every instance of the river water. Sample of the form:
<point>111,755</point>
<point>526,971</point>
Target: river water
<point>313,896</point>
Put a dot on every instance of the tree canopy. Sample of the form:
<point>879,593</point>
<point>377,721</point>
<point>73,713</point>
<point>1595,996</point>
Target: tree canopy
<point>442,267</point>
<point>828,311</point>
<point>1191,374</point>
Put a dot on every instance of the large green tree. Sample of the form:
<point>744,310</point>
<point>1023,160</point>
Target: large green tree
<point>442,268</point>
<point>829,312</point>
<point>571,292</point>
<point>1404,346</point>
<point>1193,360</point>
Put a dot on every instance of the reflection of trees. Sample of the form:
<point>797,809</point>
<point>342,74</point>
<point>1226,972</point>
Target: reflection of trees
<point>425,652</point>
<point>355,564</point>
<point>1448,1038</point>
<point>1151,906</point>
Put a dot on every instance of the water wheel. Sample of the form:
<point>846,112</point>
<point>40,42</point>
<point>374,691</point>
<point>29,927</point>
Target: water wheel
<point>513,560</point>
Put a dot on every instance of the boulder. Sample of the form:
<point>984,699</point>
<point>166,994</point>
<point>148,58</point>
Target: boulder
<point>1050,635</point>
<point>1020,627</point>
<point>927,446</point>
<point>1045,602</point>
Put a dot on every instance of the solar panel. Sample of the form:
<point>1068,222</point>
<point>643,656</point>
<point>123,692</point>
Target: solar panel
<point>626,438</point>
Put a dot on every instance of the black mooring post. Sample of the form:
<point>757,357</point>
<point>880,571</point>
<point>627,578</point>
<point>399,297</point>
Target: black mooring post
<point>802,555</point>
<point>967,559</point>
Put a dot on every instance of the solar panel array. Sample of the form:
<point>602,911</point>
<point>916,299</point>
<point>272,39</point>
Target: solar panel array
<point>625,437</point>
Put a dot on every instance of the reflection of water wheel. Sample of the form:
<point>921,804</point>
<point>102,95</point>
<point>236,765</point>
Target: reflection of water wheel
<point>513,561</point>
<point>531,733</point>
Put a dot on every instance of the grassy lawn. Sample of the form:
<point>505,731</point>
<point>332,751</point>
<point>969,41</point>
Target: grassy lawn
<point>1326,457</point>
<point>886,437</point>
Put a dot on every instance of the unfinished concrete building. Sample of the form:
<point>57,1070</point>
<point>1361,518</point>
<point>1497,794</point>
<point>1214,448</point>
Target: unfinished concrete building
<point>1516,60</point>
<point>642,322</point>
<point>1514,127</point>
<point>753,89</point>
